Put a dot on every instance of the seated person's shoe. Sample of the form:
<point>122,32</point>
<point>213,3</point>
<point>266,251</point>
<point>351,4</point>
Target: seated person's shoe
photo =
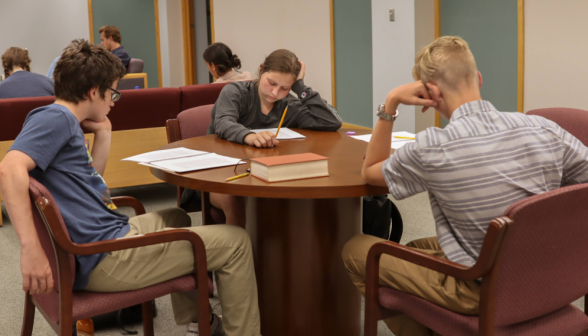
<point>216,327</point>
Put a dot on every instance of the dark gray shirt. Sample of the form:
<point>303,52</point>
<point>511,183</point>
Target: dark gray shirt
<point>123,55</point>
<point>238,110</point>
<point>23,84</point>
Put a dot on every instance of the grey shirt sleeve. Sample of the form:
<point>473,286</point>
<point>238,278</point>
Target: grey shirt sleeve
<point>313,112</point>
<point>226,118</point>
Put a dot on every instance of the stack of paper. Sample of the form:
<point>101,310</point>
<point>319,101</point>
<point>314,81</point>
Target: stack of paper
<point>182,160</point>
<point>285,133</point>
<point>399,139</point>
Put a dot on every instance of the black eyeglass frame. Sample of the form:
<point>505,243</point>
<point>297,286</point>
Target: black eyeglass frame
<point>115,96</point>
<point>238,163</point>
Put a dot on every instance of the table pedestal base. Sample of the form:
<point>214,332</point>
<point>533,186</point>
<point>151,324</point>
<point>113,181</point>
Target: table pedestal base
<point>303,286</point>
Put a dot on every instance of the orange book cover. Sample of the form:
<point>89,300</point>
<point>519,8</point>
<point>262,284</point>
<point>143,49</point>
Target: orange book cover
<point>288,159</point>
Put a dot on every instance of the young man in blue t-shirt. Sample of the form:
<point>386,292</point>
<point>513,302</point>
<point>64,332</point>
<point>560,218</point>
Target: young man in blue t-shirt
<point>51,148</point>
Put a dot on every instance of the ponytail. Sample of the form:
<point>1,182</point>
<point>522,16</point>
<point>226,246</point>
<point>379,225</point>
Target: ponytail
<point>221,55</point>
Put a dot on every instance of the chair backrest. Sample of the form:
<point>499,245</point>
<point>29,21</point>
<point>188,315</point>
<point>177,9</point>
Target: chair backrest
<point>194,122</point>
<point>201,94</point>
<point>135,65</point>
<point>13,112</point>
<point>543,262</point>
<point>44,210</point>
<point>133,81</point>
<point>572,120</point>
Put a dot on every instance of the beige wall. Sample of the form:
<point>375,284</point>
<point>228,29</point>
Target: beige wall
<point>253,29</point>
<point>43,27</point>
<point>175,43</point>
<point>556,54</point>
<point>424,34</point>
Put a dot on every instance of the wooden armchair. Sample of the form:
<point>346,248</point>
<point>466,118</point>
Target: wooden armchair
<point>532,264</point>
<point>63,305</point>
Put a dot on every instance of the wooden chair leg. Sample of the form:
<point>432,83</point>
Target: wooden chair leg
<point>66,327</point>
<point>148,318</point>
<point>203,311</point>
<point>180,192</point>
<point>29,316</point>
<point>206,216</point>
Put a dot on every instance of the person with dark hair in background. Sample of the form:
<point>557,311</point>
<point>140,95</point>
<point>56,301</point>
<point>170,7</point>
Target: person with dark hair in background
<point>111,39</point>
<point>20,81</point>
<point>224,65</point>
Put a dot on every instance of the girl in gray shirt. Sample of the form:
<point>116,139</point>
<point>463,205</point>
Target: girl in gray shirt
<point>242,106</point>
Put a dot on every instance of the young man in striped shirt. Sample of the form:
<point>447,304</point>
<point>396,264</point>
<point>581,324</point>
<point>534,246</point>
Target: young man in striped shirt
<point>473,169</point>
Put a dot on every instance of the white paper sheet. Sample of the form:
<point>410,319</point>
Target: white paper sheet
<point>165,154</point>
<point>200,162</point>
<point>285,133</point>
<point>396,143</point>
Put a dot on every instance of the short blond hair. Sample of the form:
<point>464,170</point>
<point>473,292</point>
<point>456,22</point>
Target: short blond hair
<point>449,61</point>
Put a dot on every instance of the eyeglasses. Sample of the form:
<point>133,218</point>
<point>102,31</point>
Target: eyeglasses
<point>115,95</point>
<point>238,163</point>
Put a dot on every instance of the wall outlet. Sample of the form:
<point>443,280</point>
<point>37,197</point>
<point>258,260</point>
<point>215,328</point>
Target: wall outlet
<point>392,15</point>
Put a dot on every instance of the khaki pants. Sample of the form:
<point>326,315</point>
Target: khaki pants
<point>454,294</point>
<point>228,254</point>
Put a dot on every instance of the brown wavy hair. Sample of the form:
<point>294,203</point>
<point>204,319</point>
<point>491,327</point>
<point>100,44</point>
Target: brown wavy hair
<point>111,31</point>
<point>84,66</point>
<point>281,60</point>
<point>15,56</point>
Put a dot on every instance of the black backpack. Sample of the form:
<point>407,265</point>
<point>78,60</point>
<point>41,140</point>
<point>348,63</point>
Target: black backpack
<point>381,218</point>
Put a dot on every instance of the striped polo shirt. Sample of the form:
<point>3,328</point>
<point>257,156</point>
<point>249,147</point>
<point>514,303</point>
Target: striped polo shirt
<point>479,164</point>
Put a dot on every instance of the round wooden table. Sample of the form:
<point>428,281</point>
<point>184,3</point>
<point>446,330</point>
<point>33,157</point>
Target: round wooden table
<point>298,230</point>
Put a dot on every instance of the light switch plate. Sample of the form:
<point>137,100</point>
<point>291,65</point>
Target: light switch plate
<point>392,15</point>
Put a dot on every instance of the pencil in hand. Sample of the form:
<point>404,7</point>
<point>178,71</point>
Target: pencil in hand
<point>281,121</point>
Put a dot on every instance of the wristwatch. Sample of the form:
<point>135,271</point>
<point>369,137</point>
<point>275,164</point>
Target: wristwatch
<point>380,112</point>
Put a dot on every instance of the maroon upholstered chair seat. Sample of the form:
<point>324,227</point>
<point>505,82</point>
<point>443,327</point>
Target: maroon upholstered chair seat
<point>572,120</point>
<point>533,265</point>
<point>88,304</point>
<point>568,320</point>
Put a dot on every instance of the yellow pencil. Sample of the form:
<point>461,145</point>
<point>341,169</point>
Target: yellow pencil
<point>281,121</point>
<point>401,137</point>
<point>237,177</point>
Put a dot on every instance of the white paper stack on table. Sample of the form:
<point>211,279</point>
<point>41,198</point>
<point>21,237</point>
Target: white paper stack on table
<point>182,160</point>
<point>396,142</point>
<point>285,133</point>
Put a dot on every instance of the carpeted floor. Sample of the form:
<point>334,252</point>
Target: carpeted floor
<point>416,214</point>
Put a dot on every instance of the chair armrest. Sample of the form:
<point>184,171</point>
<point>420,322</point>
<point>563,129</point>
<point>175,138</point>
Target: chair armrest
<point>488,253</point>
<point>122,201</point>
<point>124,243</point>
